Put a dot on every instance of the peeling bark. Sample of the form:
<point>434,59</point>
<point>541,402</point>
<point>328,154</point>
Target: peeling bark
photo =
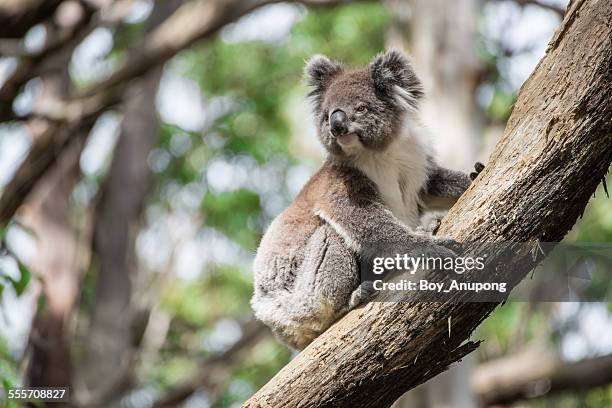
<point>555,150</point>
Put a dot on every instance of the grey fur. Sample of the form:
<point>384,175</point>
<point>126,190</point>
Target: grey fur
<point>306,270</point>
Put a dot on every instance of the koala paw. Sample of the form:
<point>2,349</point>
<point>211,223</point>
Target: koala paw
<point>479,167</point>
<point>362,294</point>
<point>436,247</point>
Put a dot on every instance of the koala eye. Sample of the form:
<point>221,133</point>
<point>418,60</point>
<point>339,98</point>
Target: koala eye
<point>361,109</point>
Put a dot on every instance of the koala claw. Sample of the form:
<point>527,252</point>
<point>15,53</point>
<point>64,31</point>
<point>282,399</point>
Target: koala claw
<point>363,293</point>
<point>479,167</point>
<point>429,229</point>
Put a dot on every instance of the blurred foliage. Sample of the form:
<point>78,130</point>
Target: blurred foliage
<point>230,211</point>
<point>596,398</point>
<point>19,278</point>
<point>9,374</point>
<point>223,291</point>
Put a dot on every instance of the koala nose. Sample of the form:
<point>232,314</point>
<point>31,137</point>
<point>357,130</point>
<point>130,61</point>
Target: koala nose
<point>338,122</point>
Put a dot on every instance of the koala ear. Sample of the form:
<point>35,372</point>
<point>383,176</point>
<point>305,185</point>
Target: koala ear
<point>319,72</point>
<point>395,79</point>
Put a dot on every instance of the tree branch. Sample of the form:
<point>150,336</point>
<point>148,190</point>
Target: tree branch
<point>18,16</point>
<point>560,11</point>
<point>536,373</point>
<point>561,130</point>
<point>59,46</point>
<point>195,21</point>
<point>191,23</point>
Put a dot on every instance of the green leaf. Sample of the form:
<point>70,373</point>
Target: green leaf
<point>3,230</point>
<point>22,283</point>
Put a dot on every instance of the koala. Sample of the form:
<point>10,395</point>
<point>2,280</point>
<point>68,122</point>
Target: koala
<point>378,179</point>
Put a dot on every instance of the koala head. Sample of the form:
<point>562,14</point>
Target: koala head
<point>362,109</point>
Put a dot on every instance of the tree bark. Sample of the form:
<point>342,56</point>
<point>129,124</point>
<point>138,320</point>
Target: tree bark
<point>536,373</point>
<point>48,214</point>
<point>556,148</point>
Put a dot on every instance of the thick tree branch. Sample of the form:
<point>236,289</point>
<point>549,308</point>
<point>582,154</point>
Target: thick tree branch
<point>555,150</point>
<point>536,373</point>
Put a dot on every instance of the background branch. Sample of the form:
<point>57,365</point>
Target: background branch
<point>537,373</point>
<point>59,46</point>
<point>560,11</point>
<point>192,22</point>
<point>18,16</point>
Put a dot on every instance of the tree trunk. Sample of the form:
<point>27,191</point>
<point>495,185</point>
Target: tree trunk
<point>50,219</point>
<point>48,214</point>
<point>560,130</point>
<point>110,348</point>
<point>441,38</point>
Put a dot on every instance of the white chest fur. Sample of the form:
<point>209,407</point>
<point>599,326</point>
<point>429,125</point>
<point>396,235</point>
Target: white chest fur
<point>400,172</point>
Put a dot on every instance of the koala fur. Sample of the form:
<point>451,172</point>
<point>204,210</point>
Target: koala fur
<point>376,182</point>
